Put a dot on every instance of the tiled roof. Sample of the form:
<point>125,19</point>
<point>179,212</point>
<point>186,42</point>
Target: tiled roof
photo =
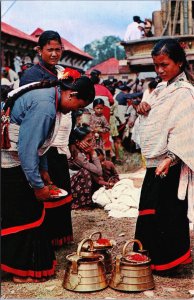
<point>110,66</point>
<point>8,29</point>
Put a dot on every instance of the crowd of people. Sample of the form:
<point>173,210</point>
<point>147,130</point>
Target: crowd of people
<point>63,132</point>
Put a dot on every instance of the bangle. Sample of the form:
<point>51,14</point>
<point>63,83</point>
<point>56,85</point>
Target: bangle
<point>171,155</point>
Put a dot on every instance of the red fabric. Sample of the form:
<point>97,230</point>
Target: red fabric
<point>60,202</point>
<point>101,90</point>
<point>172,264</point>
<point>106,140</point>
<point>5,141</point>
<point>31,273</point>
<point>63,241</point>
<point>16,229</point>
<point>187,261</point>
<point>147,212</point>
<point>106,113</point>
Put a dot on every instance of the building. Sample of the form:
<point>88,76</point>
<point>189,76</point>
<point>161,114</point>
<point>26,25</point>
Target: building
<point>113,68</point>
<point>17,43</point>
<point>174,20</point>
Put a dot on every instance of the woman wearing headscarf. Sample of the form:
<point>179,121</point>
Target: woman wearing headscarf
<point>166,132</point>
<point>26,250</point>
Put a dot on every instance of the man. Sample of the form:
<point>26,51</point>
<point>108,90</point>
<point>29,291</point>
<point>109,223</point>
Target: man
<point>134,31</point>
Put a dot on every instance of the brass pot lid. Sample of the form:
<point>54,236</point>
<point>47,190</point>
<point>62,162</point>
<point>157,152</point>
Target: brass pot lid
<point>104,244</point>
<point>73,257</point>
<point>136,258</point>
<point>132,257</point>
<point>84,256</point>
<point>89,254</point>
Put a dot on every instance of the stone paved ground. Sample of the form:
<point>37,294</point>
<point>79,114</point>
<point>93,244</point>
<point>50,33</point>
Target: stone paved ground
<point>86,222</point>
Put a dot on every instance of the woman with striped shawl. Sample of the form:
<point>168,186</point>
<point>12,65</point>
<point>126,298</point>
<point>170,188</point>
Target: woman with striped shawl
<point>167,143</point>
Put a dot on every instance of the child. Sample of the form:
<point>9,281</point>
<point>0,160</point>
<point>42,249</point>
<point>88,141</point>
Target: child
<point>99,124</point>
<point>109,173</point>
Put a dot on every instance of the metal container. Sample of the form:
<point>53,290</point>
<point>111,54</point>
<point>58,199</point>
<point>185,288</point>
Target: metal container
<point>129,275</point>
<point>105,250</point>
<point>85,271</point>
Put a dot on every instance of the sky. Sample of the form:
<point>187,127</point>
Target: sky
<point>79,22</point>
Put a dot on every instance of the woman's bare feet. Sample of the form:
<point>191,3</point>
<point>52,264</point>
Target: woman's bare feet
<point>17,279</point>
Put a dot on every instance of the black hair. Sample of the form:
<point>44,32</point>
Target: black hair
<point>95,72</point>
<point>111,89</point>
<point>153,84</point>
<point>99,151</point>
<point>172,48</point>
<point>81,132</point>
<point>4,72</point>
<point>48,36</point>
<point>95,76</point>
<point>95,79</point>
<point>5,89</point>
<point>98,101</point>
<point>137,19</point>
<point>82,85</point>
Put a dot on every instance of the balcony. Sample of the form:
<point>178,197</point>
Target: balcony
<point>138,52</point>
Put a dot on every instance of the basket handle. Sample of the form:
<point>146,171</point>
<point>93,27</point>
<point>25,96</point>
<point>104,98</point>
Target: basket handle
<point>96,232</point>
<point>82,243</point>
<point>129,242</point>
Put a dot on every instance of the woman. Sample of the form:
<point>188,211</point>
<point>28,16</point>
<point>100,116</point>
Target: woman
<point>167,142</point>
<point>86,164</point>
<point>26,251</point>
<point>58,217</point>
<point>50,49</point>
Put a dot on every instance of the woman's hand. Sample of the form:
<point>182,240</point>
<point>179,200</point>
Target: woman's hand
<point>143,108</point>
<point>42,194</point>
<point>163,168</point>
<point>45,177</point>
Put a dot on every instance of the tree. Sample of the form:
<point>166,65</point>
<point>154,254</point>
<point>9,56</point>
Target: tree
<point>101,50</point>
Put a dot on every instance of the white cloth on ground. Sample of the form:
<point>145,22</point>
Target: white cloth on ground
<point>120,201</point>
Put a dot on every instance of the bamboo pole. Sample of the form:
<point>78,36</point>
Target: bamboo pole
<point>164,13</point>
<point>185,12</point>
<point>190,19</point>
<point>170,22</point>
<point>175,18</point>
<point>181,19</point>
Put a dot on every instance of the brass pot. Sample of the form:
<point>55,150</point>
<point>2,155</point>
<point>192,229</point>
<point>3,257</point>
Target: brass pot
<point>85,271</point>
<point>131,276</point>
<point>104,250</point>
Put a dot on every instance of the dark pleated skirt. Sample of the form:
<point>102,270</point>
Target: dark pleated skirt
<point>162,225</point>
<point>26,249</point>
<point>58,212</point>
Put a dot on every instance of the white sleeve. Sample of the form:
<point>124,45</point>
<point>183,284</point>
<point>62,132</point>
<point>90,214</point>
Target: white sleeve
<point>127,34</point>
